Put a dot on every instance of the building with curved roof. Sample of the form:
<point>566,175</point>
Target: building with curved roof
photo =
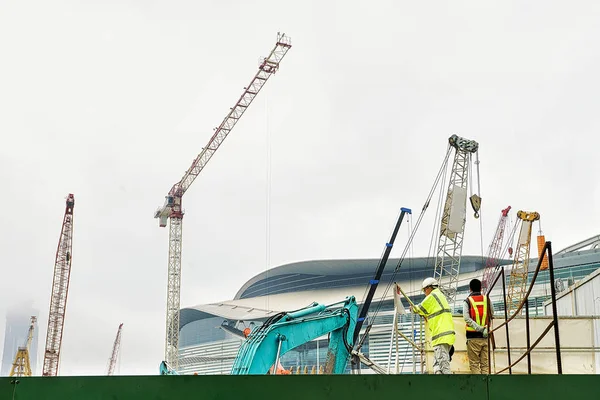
<point>210,334</point>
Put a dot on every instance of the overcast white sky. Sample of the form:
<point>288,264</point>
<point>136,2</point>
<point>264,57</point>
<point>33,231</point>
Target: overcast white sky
<point>112,100</point>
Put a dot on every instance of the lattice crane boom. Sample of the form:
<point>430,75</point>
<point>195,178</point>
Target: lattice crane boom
<point>112,362</point>
<point>21,365</point>
<point>60,290</point>
<point>494,251</point>
<point>450,242</point>
<point>517,280</point>
<point>172,209</point>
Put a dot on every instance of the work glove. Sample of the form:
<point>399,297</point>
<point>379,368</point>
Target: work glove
<point>485,332</point>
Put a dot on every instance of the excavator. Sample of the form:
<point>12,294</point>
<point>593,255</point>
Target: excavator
<point>285,331</point>
<point>282,332</point>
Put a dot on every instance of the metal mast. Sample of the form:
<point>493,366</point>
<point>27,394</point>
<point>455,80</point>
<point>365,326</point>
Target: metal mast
<point>172,209</point>
<point>517,280</point>
<point>450,243</point>
<point>21,365</point>
<point>60,289</point>
<point>115,351</point>
<point>494,251</point>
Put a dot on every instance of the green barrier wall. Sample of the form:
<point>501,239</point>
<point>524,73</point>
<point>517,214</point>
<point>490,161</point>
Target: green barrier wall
<point>299,387</point>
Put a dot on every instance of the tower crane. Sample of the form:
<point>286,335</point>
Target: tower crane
<point>452,226</point>
<point>115,351</point>
<point>494,251</point>
<point>60,290</point>
<point>517,280</point>
<point>21,365</point>
<point>172,209</point>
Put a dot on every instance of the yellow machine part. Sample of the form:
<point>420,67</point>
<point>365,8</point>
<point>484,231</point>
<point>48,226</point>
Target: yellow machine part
<point>21,366</point>
<point>541,240</point>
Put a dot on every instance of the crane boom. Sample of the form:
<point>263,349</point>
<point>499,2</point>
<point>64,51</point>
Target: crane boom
<point>517,280</point>
<point>21,364</point>
<point>450,243</point>
<point>494,251</point>
<point>115,351</point>
<point>172,209</point>
<point>60,290</point>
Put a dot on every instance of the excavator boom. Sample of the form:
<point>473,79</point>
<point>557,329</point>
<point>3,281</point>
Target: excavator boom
<point>286,331</point>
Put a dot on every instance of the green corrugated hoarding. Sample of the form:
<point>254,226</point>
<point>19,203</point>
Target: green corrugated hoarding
<point>301,387</point>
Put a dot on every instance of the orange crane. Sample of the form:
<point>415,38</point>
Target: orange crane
<point>21,365</point>
<point>115,351</point>
<point>172,209</point>
<point>60,290</point>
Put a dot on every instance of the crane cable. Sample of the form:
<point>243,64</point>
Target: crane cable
<point>441,172</point>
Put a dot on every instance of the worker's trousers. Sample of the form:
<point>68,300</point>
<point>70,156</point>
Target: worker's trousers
<point>477,351</point>
<point>441,359</point>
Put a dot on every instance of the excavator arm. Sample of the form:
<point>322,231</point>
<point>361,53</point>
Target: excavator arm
<point>285,331</point>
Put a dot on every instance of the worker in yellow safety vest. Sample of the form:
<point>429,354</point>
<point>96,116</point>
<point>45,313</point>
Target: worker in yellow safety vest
<point>477,312</point>
<point>437,312</point>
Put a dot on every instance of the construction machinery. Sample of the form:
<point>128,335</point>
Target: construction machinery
<point>60,290</point>
<point>112,362</point>
<point>287,330</point>
<point>494,251</point>
<point>452,226</point>
<point>172,209</point>
<point>517,280</point>
<point>21,365</point>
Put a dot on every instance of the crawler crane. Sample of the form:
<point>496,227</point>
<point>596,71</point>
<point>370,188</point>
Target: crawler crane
<point>21,365</point>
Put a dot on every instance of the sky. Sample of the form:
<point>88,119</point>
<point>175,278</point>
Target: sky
<point>112,100</point>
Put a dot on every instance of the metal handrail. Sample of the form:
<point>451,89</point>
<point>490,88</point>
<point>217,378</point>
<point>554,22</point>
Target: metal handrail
<point>546,252</point>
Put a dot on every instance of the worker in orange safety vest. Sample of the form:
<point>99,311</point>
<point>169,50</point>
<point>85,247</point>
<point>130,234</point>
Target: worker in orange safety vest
<point>477,313</point>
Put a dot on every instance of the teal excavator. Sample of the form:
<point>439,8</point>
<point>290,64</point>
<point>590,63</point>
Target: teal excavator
<point>285,331</point>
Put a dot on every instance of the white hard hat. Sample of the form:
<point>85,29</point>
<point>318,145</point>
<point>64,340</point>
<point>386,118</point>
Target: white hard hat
<point>429,282</point>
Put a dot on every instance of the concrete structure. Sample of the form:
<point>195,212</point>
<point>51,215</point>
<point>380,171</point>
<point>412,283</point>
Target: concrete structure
<point>208,347</point>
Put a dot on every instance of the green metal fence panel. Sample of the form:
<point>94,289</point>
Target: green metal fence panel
<point>548,387</point>
<point>290,387</point>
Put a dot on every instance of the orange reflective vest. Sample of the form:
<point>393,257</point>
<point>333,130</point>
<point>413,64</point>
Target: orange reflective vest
<point>478,311</point>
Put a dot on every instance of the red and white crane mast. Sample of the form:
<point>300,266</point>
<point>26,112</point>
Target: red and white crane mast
<point>172,209</point>
<point>60,290</point>
<point>115,351</point>
<point>494,251</point>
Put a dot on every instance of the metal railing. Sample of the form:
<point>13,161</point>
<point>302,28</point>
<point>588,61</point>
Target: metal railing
<point>546,252</point>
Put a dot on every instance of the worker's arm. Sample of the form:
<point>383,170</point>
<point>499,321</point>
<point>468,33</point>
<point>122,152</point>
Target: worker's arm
<point>490,308</point>
<point>420,308</point>
<point>468,319</point>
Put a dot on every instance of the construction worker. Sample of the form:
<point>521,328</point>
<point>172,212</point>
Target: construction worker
<point>437,312</point>
<point>477,312</point>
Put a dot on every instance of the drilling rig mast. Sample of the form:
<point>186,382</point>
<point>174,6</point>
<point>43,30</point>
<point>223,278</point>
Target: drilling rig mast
<point>494,252</point>
<point>172,209</point>
<point>450,243</point>
<point>60,289</point>
<point>517,280</point>
<point>115,351</point>
<point>21,365</point>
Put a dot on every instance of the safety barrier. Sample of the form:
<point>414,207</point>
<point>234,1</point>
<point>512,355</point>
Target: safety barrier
<point>544,259</point>
<point>301,387</point>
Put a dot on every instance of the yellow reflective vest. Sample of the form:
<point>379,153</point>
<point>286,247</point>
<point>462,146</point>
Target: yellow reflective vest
<point>439,317</point>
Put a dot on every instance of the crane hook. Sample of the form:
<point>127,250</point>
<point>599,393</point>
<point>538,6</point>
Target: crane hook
<point>476,204</point>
